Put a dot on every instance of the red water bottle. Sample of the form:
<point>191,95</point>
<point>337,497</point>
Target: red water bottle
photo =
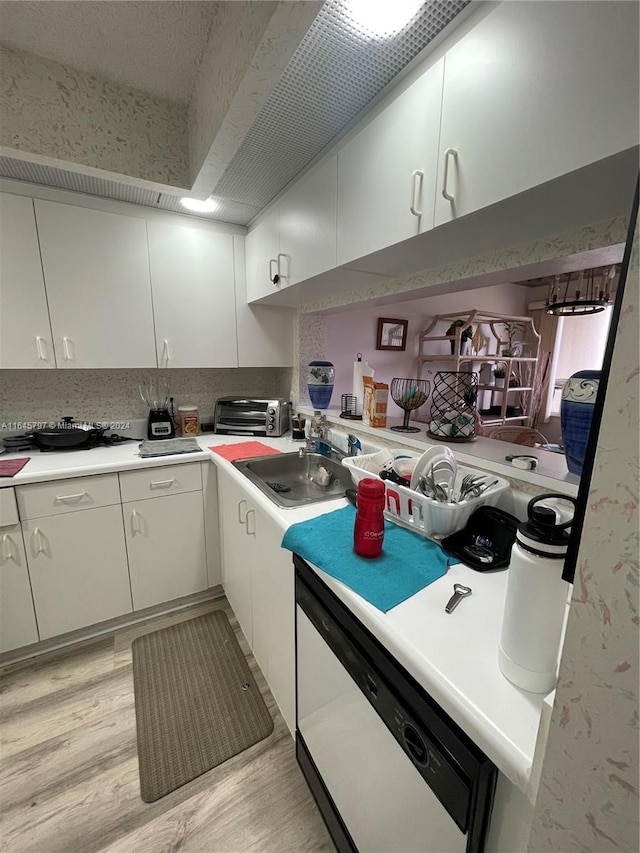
<point>368,531</point>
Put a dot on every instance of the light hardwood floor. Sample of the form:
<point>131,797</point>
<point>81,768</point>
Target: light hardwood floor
<point>69,767</point>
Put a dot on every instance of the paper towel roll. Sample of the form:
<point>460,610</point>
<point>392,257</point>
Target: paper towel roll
<point>360,370</point>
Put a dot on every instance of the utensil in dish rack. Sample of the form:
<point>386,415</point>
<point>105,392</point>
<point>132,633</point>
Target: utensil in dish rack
<point>481,488</point>
<point>468,484</point>
<point>443,473</point>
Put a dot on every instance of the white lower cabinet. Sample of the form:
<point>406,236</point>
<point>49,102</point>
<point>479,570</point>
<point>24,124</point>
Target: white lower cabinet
<point>17,615</point>
<point>258,580</point>
<point>78,568</point>
<point>238,551</point>
<point>76,552</point>
<point>166,547</point>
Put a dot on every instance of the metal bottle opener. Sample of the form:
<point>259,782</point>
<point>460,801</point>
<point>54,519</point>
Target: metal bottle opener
<point>459,592</point>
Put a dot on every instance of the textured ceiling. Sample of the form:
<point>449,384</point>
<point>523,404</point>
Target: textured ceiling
<point>152,45</point>
<point>333,75</point>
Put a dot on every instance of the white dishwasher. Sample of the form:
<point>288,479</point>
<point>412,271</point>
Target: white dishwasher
<point>390,771</point>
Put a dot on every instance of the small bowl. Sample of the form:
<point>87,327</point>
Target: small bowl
<point>404,466</point>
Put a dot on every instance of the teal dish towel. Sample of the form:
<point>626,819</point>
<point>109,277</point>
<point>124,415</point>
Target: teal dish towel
<point>408,562</point>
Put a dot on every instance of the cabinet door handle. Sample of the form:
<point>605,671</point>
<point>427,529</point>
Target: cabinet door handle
<point>242,508</point>
<point>162,484</point>
<point>450,152</point>
<point>273,276</point>
<point>7,549</point>
<point>67,349</point>
<point>281,275</point>
<point>41,347</point>
<point>252,513</point>
<point>38,542</point>
<point>416,184</point>
<point>135,527</point>
<point>65,498</point>
<point>165,352</point>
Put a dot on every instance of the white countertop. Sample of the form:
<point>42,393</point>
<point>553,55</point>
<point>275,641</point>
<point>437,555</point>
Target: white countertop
<point>453,656</point>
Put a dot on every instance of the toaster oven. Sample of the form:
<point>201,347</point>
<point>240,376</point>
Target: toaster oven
<point>255,416</point>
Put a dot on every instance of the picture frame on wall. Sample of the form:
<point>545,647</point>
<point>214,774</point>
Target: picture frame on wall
<point>392,334</point>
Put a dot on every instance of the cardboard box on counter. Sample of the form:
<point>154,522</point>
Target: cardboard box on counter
<point>374,407</point>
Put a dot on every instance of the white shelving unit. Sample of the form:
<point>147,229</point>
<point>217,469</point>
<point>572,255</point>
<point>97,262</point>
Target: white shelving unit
<point>521,367</point>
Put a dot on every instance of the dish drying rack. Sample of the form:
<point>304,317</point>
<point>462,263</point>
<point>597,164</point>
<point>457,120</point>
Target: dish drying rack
<point>415,511</point>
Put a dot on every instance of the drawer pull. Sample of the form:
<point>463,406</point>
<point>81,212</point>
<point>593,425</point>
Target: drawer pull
<point>416,183</point>
<point>65,498</point>
<point>7,549</point>
<point>252,531</point>
<point>242,508</point>
<point>162,484</point>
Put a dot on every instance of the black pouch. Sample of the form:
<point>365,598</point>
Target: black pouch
<point>484,544</point>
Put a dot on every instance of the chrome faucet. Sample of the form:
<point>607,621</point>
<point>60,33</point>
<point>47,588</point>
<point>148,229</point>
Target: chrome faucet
<point>353,445</point>
<point>318,426</point>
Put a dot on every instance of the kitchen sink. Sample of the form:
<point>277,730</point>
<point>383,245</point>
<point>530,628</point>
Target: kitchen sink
<point>291,480</point>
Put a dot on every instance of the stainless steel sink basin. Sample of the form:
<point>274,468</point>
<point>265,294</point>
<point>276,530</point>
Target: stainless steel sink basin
<point>291,480</point>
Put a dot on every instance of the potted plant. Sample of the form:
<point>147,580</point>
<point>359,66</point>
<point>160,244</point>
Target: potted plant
<point>466,336</point>
<point>510,329</point>
<point>499,375</point>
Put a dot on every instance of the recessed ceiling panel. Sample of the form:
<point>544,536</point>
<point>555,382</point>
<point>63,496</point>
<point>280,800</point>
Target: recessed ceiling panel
<point>49,176</point>
<point>333,75</point>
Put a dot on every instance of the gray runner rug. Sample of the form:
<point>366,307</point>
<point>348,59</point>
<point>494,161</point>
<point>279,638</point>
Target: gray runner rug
<point>197,703</point>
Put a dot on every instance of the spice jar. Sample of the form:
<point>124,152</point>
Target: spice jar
<point>189,420</point>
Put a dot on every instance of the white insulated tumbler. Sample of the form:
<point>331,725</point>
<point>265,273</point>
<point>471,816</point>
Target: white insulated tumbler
<point>536,598</point>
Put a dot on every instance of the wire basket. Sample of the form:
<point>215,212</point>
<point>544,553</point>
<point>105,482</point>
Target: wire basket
<point>409,394</point>
<point>453,406</point>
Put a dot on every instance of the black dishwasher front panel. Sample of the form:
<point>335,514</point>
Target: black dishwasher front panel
<point>457,771</point>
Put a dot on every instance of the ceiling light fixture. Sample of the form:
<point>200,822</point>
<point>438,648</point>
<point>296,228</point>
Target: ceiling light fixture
<point>198,206</point>
<point>585,296</point>
<point>382,18</point>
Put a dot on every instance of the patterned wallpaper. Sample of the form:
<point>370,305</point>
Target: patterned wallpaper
<point>588,798</point>
<point>609,232</point>
<point>221,71</point>
<point>112,395</point>
<point>57,112</point>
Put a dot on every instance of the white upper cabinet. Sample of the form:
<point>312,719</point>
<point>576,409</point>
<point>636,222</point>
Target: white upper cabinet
<point>297,239</point>
<point>387,173</point>
<point>264,261</point>
<point>25,334</point>
<point>192,279</point>
<point>96,270</point>
<point>533,92</point>
<point>265,333</point>
<point>308,225</point>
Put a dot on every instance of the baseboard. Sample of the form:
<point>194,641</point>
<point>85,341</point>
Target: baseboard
<point>103,630</point>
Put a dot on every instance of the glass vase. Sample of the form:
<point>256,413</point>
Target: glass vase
<point>320,378</point>
<point>576,412</point>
